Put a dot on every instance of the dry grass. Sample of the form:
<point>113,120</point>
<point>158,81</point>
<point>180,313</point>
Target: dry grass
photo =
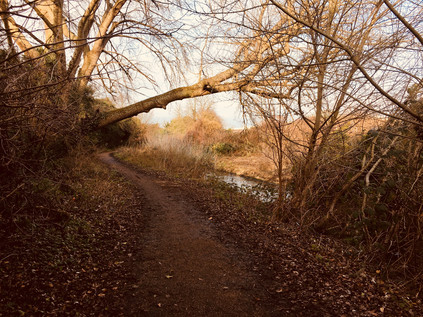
<point>256,165</point>
<point>65,191</point>
<point>170,154</point>
<point>59,240</point>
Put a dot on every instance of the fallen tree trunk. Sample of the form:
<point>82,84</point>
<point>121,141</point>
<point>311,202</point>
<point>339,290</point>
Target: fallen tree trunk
<point>159,101</point>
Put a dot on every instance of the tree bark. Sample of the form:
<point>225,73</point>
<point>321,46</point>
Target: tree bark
<point>202,88</point>
<point>103,36</point>
<point>16,33</point>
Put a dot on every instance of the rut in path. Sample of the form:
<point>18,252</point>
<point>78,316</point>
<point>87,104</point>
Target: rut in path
<point>183,268</point>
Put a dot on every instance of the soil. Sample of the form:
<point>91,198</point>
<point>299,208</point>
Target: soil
<point>200,257</point>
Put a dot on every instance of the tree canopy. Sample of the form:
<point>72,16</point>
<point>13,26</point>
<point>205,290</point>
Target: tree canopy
<point>270,49</point>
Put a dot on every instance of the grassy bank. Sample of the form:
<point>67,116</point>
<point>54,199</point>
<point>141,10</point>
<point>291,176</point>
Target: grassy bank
<point>249,221</point>
<point>190,161</point>
<point>182,156</point>
<point>172,155</point>
<point>65,248</point>
<point>256,166</point>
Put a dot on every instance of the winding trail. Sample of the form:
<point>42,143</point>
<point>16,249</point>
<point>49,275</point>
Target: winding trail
<point>183,267</point>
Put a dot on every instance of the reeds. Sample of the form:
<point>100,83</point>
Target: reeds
<point>171,154</point>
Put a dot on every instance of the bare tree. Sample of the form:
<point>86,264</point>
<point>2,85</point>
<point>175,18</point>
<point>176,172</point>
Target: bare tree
<point>309,79</point>
<point>249,55</point>
<point>84,38</point>
<point>396,39</point>
<point>86,29</point>
<point>75,44</point>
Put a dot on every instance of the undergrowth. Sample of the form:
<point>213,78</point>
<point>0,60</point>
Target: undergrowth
<point>247,202</point>
<point>173,155</point>
<point>54,242</point>
<point>183,159</point>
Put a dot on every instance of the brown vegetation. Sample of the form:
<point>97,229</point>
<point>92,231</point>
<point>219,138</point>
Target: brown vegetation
<point>311,75</point>
<point>64,249</point>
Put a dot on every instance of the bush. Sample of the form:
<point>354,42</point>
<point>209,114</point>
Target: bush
<point>381,210</point>
<point>203,127</point>
<point>222,148</point>
<point>40,123</point>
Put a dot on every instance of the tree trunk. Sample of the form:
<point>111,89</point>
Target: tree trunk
<point>160,101</point>
<point>103,36</point>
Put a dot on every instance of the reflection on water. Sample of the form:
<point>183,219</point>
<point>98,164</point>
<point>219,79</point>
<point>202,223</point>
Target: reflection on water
<point>264,191</point>
<point>238,180</point>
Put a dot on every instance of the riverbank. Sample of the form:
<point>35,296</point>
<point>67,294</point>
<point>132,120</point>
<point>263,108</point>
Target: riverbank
<point>100,248</point>
<point>305,274</point>
<point>256,166</point>
<point>70,252</point>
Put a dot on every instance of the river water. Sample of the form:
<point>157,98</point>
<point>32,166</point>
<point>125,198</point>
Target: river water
<point>264,191</point>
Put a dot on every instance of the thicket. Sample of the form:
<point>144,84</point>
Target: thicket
<point>201,126</point>
<point>369,193</point>
<point>241,143</point>
<point>44,118</point>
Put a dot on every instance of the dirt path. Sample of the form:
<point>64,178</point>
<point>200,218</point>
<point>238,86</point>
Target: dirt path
<point>184,269</point>
<point>157,245</point>
<point>199,256</point>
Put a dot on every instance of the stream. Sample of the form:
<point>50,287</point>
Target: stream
<point>263,190</point>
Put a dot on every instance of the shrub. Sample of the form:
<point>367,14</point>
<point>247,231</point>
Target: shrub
<point>222,148</point>
<point>381,209</point>
<point>203,127</point>
<point>43,119</point>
